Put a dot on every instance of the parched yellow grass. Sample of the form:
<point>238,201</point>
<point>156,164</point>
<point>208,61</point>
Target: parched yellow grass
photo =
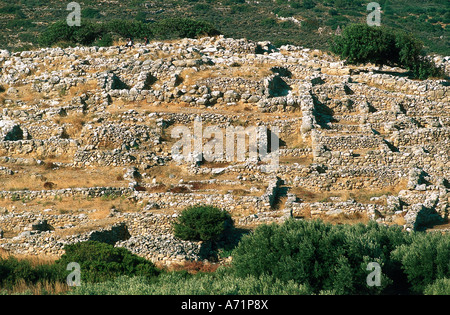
<point>26,94</point>
<point>191,77</point>
<point>75,123</point>
<point>41,288</point>
<point>33,259</point>
<point>91,226</point>
<point>97,208</point>
<point>62,177</point>
<point>344,218</point>
<point>82,88</point>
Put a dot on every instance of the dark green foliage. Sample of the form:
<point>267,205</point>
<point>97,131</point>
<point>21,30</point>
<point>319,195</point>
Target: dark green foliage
<point>89,33</point>
<point>439,287</point>
<point>426,259</point>
<point>360,43</point>
<point>57,32</point>
<point>90,13</point>
<point>104,41</point>
<point>129,29</point>
<point>202,223</point>
<point>12,270</point>
<point>13,9</point>
<point>101,262</point>
<point>335,257</point>
<point>428,20</point>
<point>182,28</point>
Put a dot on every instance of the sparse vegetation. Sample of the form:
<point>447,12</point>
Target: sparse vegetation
<point>258,21</point>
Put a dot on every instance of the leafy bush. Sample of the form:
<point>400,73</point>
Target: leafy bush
<point>439,287</point>
<point>129,28</point>
<point>182,28</point>
<point>12,270</point>
<point>426,259</point>
<point>360,43</point>
<point>322,256</point>
<point>13,9</point>
<point>90,13</point>
<point>202,223</point>
<point>102,34</point>
<point>102,262</point>
<point>57,32</point>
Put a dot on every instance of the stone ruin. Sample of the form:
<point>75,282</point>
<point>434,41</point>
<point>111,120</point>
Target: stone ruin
<point>354,142</point>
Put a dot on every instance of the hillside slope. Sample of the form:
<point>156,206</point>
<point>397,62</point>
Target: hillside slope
<point>308,23</point>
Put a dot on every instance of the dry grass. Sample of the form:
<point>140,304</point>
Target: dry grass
<point>307,160</point>
<point>82,89</point>
<point>44,287</point>
<point>96,208</point>
<point>399,220</point>
<point>61,177</point>
<point>73,124</point>
<point>40,288</point>
<point>85,228</point>
<point>345,218</point>
<point>191,267</point>
<point>191,77</point>
<point>26,94</point>
<point>359,195</point>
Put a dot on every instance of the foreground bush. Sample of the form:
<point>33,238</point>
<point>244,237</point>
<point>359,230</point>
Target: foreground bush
<point>426,259</point>
<point>14,271</point>
<point>180,283</point>
<point>101,262</point>
<point>335,257</point>
<point>439,287</point>
<point>360,43</point>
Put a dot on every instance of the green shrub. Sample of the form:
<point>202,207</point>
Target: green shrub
<point>101,34</point>
<point>426,259</point>
<point>86,34</point>
<point>182,28</point>
<point>101,262</point>
<point>57,32</point>
<point>90,13</point>
<point>12,270</point>
<point>202,223</point>
<point>321,256</point>
<point>360,43</point>
<point>129,28</point>
<point>439,287</point>
<point>17,24</point>
<point>13,9</point>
